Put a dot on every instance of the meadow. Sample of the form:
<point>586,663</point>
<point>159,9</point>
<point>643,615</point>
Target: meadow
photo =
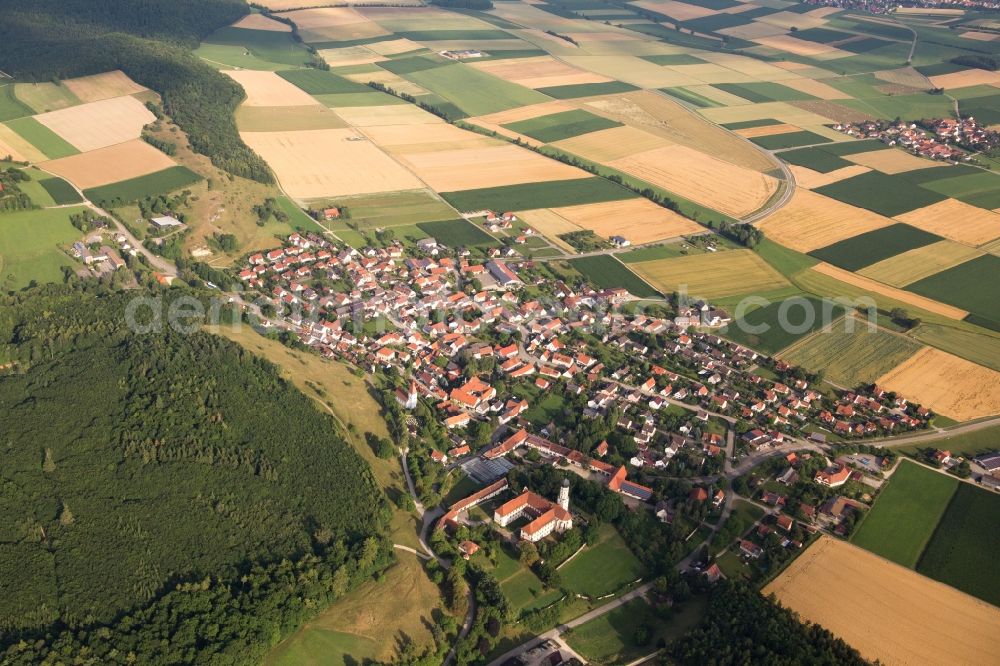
<point>789,140</point>
<point>319,82</point>
<point>851,358</point>
<point>474,92</point>
<point>134,189</point>
<point>29,243</point>
<point>815,158</point>
<point>576,90</point>
<point>910,506</point>
<point>602,568</point>
<point>606,272</point>
<point>10,106</point>
<point>62,193</point>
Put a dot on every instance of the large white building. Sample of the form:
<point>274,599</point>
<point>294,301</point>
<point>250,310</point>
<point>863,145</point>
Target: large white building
<point>546,517</point>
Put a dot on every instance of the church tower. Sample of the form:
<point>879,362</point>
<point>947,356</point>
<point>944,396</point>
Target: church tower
<point>411,397</point>
<point>564,495</point>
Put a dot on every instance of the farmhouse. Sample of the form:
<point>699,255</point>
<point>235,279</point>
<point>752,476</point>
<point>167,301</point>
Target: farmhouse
<point>547,517</point>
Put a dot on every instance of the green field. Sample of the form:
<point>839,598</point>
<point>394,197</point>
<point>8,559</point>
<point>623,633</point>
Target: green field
<point>916,106</point>
<point>603,568</point>
<point>10,106</point>
<point>968,444</point>
<point>985,109</point>
<point>29,243</point>
<point>606,272</point>
<point>673,59</point>
<point>972,286</point>
<point>789,140</point>
<point>44,97</point>
<point>747,124</point>
<point>609,639</point>
<point>903,519</point>
<point>978,189</point>
<point>586,89</point>
<point>456,233</point>
<point>474,92</point>
<point>42,138</point>
<point>62,193</point>
<point>390,209</point>
<point>881,193</point>
<point>817,159</point>
<point>318,82</point>
<point>134,189</point>
<point>869,248</point>
<point>842,148</point>
<point>851,358</point>
<point>562,125</point>
<point>528,196</point>
<point>760,92</point>
<point>803,314</point>
<point>691,97</point>
<point>977,347</point>
<point>962,550</point>
<point>523,589</point>
<point>268,45</point>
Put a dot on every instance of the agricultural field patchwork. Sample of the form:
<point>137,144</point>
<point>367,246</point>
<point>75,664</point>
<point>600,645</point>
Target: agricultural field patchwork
<point>869,598</point>
<point>30,246</point>
<point>713,275</point>
<point>562,125</point>
<point>762,328</point>
<point>868,248</point>
<point>607,272</point>
<point>851,357</point>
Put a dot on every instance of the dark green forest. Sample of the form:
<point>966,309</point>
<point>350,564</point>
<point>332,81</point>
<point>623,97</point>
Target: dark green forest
<point>150,40</point>
<point>165,498</point>
<point>742,627</point>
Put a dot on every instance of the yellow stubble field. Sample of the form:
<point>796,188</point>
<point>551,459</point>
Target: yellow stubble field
<point>103,86</point>
<point>908,267</point>
<point>809,179</point>
<point>892,161</point>
<point>879,288</point>
<point>473,168</point>
<point>811,221</point>
<point>14,145</point>
<point>712,275</point>
<point>540,72</point>
<point>407,139</point>
<point>261,22</point>
<point>638,220</point>
<point>725,187</point>
<point>334,24</point>
<point>269,89</point>
<point>98,124</point>
<point>390,114</point>
<point>801,47</point>
<point>966,78</point>
<point>320,163</point>
<point>612,144</point>
<point>947,384</point>
<point>110,165</point>
<point>886,611</point>
<point>956,220</point>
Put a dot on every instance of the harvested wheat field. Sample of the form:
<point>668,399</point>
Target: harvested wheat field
<point>261,22</point>
<point>393,47</point>
<point>638,220</point>
<point>892,161</point>
<point>528,112</point>
<point>809,179</point>
<point>286,118</point>
<point>103,86</point>
<point>913,265</point>
<point>815,88</point>
<point>956,220</point>
<point>766,130</point>
<point>391,114</point>
<point>879,288</point>
<point>753,30</point>
<point>350,55</point>
<point>387,78</point>
<point>786,112</point>
<point>405,139</point>
<point>682,11</point>
<point>801,47</point>
<point>110,165</point>
<point>612,144</point>
<point>631,69</point>
<point>496,166</point>
<point>947,384</point>
<point>541,72</point>
<point>334,24</point>
<point>713,275</point>
<point>547,222</point>
<point>905,76</point>
<point>671,121</point>
<point>269,89</point>
<point>99,124</point>
<point>14,145</point>
<point>980,36</point>
<point>322,163</point>
<point>811,221</point>
<point>719,185</point>
<point>886,610</point>
<point>964,79</point>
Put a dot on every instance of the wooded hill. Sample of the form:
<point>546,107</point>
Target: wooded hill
<point>165,495</point>
<point>150,40</point>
